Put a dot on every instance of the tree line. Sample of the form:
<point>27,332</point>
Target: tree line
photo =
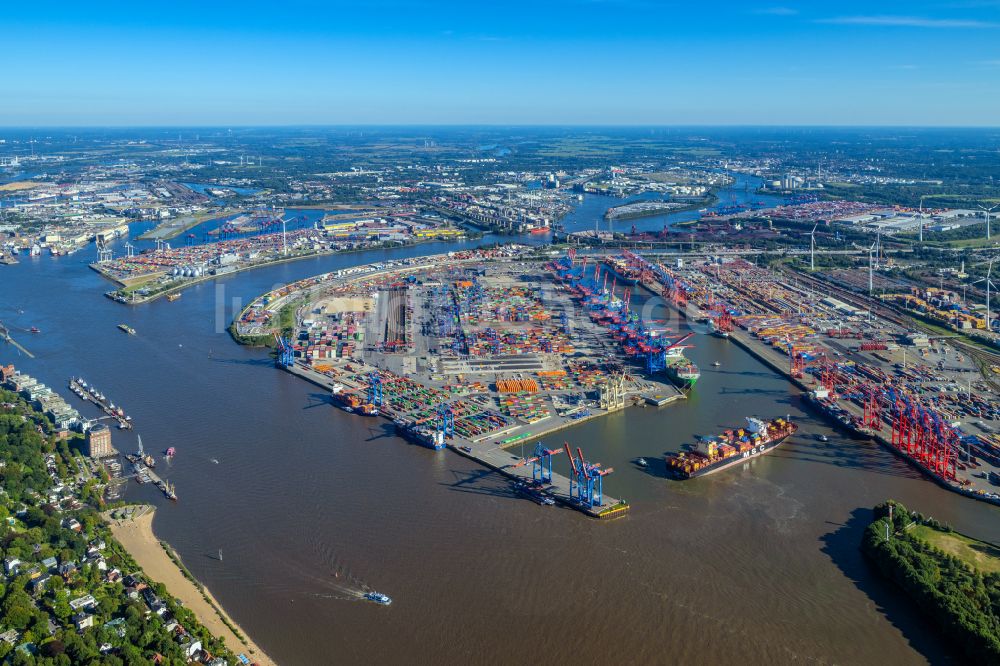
<point>962,601</point>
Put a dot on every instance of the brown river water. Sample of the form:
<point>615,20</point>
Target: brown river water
<point>757,564</point>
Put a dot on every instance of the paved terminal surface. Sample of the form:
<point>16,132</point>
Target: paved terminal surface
<point>504,347</point>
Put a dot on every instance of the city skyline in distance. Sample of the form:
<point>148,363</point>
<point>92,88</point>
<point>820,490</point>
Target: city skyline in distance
<point>599,62</point>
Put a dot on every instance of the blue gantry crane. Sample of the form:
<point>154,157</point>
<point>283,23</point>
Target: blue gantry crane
<point>541,464</point>
<point>375,389</point>
<point>588,477</point>
<point>285,357</point>
<point>446,420</point>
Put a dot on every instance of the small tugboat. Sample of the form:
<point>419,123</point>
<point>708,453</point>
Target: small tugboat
<point>378,598</point>
<point>534,493</point>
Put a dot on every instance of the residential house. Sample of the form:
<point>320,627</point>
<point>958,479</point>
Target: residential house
<point>38,585</point>
<point>86,601</point>
<point>83,621</point>
<point>11,565</point>
<point>118,624</point>
<point>191,646</point>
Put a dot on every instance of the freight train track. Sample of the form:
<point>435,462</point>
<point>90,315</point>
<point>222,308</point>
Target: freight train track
<point>984,358</point>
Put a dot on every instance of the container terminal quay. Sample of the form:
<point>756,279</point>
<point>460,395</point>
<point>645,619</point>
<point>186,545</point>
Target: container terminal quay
<point>490,352</point>
<point>479,351</point>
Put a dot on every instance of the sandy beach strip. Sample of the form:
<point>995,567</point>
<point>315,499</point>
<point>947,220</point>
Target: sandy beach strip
<point>136,535</point>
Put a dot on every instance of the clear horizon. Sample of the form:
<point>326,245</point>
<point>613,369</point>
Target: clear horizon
<point>554,126</point>
<point>568,63</point>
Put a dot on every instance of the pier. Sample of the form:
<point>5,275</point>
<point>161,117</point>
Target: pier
<point>143,471</point>
<point>172,228</point>
<point>90,394</point>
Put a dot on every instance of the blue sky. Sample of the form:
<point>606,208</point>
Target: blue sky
<point>518,62</point>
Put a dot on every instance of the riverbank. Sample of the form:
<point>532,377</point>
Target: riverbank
<point>115,296</point>
<point>955,590</point>
<point>137,536</point>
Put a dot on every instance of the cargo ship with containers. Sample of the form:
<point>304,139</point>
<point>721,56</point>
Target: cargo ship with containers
<point>421,434</point>
<point>714,329</point>
<point>827,404</point>
<point>682,370</point>
<point>351,402</point>
<point>622,271</point>
<point>713,454</point>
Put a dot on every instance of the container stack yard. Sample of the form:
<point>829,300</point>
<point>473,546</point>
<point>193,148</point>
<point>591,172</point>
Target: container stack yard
<point>477,352</point>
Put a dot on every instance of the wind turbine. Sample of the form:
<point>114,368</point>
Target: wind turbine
<point>988,211</point>
<point>921,218</point>
<point>989,284</point>
<point>878,246</point>
<point>871,268</point>
<point>812,248</point>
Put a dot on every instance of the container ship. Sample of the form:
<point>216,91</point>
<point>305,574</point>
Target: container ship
<point>128,329</point>
<point>731,448</point>
<point>625,273</point>
<point>351,402</point>
<point>827,404</point>
<point>713,329</point>
<point>423,435</point>
<point>682,371</point>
